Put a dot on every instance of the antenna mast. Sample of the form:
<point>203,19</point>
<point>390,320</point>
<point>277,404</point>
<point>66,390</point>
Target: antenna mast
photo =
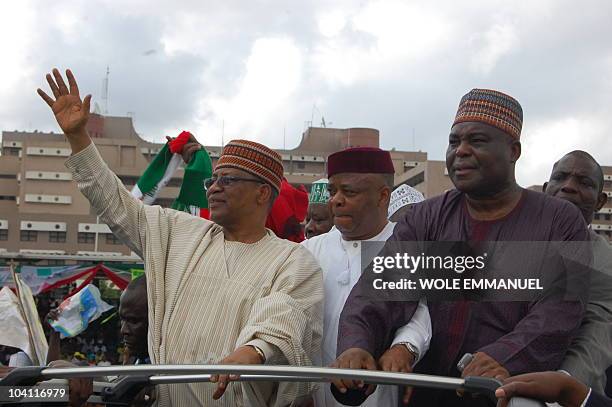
<point>105,91</point>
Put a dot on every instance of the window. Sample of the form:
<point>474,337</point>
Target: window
<point>301,165</point>
<point>54,262</point>
<point>85,237</point>
<point>11,151</point>
<point>7,198</point>
<point>112,239</point>
<point>3,234</point>
<point>57,237</point>
<point>8,176</point>
<point>607,216</point>
<point>595,216</point>
<point>28,236</point>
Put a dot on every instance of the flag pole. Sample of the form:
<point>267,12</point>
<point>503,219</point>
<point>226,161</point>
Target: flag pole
<point>17,281</point>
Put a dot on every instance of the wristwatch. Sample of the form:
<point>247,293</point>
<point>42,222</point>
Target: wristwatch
<point>260,352</point>
<point>411,349</point>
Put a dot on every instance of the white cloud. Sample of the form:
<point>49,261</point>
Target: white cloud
<point>386,35</point>
<point>549,140</point>
<point>331,23</point>
<point>272,75</point>
<point>17,33</point>
<point>491,46</point>
<point>69,22</point>
<point>402,29</point>
<point>261,65</point>
<point>195,34</point>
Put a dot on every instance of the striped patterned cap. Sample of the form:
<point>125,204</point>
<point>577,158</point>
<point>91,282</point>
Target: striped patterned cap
<point>491,107</point>
<point>255,159</point>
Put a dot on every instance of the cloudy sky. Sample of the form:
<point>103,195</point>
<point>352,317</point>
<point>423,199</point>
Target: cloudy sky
<point>261,69</point>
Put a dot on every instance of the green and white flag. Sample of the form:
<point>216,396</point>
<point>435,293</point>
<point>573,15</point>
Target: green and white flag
<point>192,196</point>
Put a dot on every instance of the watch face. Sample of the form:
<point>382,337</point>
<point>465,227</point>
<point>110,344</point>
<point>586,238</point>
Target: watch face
<point>413,351</point>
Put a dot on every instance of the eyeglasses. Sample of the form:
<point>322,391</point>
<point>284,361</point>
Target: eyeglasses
<point>226,180</point>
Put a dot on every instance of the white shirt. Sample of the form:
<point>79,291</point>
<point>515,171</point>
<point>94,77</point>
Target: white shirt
<point>341,263</point>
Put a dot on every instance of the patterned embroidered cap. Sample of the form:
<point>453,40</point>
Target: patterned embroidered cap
<point>491,107</point>
<point>402,196</point>
<point>319,192</point>
<point>255,159</point>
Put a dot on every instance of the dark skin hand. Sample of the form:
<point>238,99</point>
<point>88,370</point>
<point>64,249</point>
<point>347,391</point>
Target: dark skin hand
<point>485,366</point>
<point>354,358</point>
<point>79,390</point>
<point>70,112</point>
<point>550,387</point>
<point>189,149</point>
<point>54,337</point>
<point>397,359</point>
<point>244,355</point>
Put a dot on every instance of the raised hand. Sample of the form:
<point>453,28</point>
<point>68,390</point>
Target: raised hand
<point>190,148</point>
<point>70,111</point>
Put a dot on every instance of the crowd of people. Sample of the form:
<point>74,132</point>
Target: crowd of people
<point>98,345</point>
<point>228,290</point>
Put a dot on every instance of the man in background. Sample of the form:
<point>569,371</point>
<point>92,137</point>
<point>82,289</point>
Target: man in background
<point>134,315</point>
<point>360,182</point>
<point>578,178</point>
<point>402,198</point>
<point>319,218</point>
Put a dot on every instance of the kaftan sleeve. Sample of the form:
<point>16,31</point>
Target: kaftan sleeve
<point>369,319</point>
<point>590,353</point>
<point>124,214</point>
<point>540,340</point>
<point>289,321</point>
<point>416,332</point>
<point>128,218</point>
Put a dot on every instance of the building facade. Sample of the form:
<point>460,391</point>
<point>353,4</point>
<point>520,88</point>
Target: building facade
<point>42,211</point>
<point>430,177</point>
<point>602,220</point>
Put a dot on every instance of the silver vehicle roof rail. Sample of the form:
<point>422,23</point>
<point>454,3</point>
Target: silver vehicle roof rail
<point>134,377</point>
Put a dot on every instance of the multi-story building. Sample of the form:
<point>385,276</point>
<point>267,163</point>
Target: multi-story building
<point>429,177</point>
<point>42,211</point>
<point>602,220</point>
